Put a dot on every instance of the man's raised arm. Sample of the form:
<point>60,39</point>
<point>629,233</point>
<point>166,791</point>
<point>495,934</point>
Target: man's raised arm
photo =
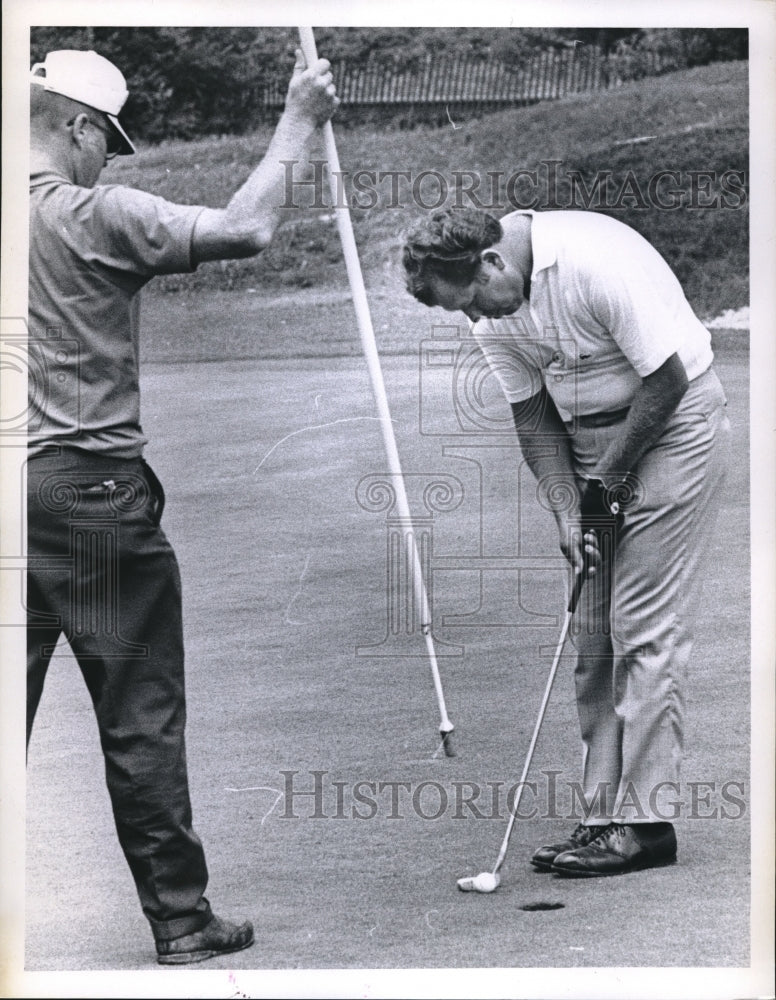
<point>247,224</point>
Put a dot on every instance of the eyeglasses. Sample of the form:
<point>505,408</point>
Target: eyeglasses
<point>112,144</point>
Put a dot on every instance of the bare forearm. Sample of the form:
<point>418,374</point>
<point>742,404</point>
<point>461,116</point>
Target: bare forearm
<point>258,205</point>
<point>654,402</point>
<point>247,224</point>
<point>546,448</point>
<point>545,444</point>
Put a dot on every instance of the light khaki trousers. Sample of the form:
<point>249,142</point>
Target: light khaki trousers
<point>634,631</point>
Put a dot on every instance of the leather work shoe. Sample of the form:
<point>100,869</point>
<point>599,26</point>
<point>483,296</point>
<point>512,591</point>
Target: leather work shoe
<point>581,836</point>
<point>619,849</point>
<point>219,937</point>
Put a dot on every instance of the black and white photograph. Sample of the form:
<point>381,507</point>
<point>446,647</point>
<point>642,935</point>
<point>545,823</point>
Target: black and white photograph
<point>387,500</point>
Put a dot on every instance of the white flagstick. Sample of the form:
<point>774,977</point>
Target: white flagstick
<point>369,345</point>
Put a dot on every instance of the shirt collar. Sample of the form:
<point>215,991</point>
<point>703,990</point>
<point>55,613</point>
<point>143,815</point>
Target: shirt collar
<point>543,250</point>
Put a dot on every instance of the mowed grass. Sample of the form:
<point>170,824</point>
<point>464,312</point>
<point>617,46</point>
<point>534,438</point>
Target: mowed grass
<point>284,576</point>
<point>691,124</point>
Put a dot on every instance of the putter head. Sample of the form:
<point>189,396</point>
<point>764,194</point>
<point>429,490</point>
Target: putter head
<point>446,744</point>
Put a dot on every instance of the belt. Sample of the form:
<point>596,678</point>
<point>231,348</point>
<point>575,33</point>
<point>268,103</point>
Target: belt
<point>603,419</point>
<point>61,454</point>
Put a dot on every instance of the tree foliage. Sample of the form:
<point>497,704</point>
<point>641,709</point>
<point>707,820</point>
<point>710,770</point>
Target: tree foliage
<point>187,82</point>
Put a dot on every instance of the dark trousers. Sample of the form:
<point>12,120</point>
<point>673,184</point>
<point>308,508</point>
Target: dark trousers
<point>101,572</point>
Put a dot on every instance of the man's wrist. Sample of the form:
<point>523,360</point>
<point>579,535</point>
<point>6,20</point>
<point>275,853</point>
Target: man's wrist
<point>297,122</point>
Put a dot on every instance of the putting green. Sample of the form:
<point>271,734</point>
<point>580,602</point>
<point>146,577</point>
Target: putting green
<point>284,575</point>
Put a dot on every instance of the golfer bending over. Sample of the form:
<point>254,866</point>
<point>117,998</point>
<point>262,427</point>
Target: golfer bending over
<point>100,569</point>
<point>608,373</point>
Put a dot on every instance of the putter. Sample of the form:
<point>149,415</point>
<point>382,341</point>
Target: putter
<point>369,344</point>
<point>489,881</point>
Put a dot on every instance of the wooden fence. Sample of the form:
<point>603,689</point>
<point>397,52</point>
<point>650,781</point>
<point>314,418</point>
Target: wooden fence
<point>473,83</point>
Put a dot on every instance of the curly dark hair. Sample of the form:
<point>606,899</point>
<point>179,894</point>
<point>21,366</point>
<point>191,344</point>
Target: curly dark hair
<point>447,244</point>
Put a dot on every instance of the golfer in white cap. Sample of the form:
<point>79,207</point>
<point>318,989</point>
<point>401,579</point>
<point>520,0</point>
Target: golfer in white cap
<point>100,569</point>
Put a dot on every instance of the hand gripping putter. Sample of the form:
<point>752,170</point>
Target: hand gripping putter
<point>369,345</point>
<point>489,881</point>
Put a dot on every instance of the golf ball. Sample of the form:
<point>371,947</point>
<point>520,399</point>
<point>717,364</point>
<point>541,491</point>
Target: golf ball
<point>486,882</point>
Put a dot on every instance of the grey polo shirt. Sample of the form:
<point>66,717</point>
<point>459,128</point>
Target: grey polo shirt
<point>91,251</point>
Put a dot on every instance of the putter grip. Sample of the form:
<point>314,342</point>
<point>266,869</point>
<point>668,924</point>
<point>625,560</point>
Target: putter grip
<point>576,590</point>
<point>579,582</point>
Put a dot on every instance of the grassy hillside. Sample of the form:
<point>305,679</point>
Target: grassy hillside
<point>693,124</point>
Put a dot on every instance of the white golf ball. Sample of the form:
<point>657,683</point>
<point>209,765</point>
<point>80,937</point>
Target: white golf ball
<point>486,882</point>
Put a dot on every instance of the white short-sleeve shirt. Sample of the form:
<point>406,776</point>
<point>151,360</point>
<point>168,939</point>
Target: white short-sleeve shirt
<point>605,310</point>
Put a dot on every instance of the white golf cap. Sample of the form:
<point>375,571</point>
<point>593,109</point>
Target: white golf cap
<point>90,79</point>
